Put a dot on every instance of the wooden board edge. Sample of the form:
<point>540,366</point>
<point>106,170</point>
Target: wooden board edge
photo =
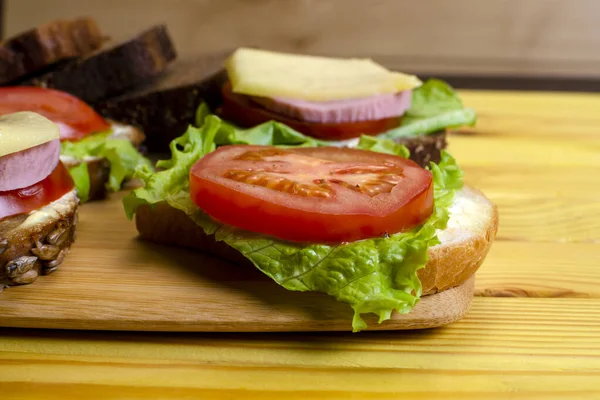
<point>431,312</point>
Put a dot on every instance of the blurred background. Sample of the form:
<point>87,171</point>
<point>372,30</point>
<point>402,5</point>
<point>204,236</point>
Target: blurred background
<point>524,44</point>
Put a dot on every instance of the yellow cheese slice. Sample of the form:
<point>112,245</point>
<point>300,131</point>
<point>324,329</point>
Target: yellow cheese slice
<point>265,73</point>
<point>24,130</point>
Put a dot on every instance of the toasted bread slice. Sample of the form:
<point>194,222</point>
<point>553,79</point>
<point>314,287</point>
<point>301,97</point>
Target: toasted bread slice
<point>99,168</point>
<point>464,243</point>
<point>35,244</point>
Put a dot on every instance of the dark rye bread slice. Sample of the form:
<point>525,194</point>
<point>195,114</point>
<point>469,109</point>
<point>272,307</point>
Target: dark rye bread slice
<point>425,148</point>
<point>39,48</point>
<point>165,108</point>
<point>114,70</point>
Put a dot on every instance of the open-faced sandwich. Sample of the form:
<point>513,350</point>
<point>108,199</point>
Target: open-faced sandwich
<point>100,154</point>
<point>331,100</point>
<point>366,224</point>
<point>38,200</point>
<point>337,100</point>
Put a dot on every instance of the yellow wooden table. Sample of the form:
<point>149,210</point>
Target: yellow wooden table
<point>533,332</point>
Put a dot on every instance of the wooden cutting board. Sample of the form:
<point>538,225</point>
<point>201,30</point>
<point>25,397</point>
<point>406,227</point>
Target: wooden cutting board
<point>113,281</point>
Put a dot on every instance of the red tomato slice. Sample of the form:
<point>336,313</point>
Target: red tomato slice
<point>38,195</point>
<point>243,112</point>
<point>74,117</point>
<point>316,195</point>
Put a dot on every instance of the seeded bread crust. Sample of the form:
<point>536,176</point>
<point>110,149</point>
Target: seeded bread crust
<point>46,45</point>
<point>36,244</point>
<point>465,243</point>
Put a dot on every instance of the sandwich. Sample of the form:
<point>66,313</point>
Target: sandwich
<point>331,100</point>
<point>338,100</point>
<point>365,225</point>
<point>359,221</point>
<point>38,199</point>
<point>101,155</point>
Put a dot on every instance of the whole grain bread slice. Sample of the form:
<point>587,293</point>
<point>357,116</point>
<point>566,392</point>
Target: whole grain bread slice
<point>36,244</point>
<point>39,48</point>
<point>114,70</point>
<point>464,243</point>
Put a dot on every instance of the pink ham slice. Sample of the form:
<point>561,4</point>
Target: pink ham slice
<point>352,110</point>
<point>24,168</point>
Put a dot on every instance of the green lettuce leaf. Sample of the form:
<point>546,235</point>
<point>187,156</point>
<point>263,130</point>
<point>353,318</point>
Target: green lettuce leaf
<point>270,133</point>
<point>432,98</point>
<point>122,156</point>
<point>435,106</point>
<point>373,276</point>
<point>81,178</point>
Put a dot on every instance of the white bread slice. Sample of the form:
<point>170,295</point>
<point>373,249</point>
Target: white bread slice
<point>464,244</point>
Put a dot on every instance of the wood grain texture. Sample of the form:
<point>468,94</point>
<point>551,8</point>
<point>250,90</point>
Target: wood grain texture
<point>112,281</point>
<point>522,37</point>
<point>505,348</point>
<point>533,331</point>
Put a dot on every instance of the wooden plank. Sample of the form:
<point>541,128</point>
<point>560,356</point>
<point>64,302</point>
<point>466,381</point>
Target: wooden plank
<point>561,116</point>
<point>135,278</point>
<point>528,182</point>
<point>111,281</point>
<point>544,219</point>
<point>522,348</point>
<point>514,37</point>
<point>524,152</point>
<point>527,269</point>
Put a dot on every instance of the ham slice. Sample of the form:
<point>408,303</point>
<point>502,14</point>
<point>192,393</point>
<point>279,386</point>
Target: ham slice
<point>24,168</point>
<point>352,110</point>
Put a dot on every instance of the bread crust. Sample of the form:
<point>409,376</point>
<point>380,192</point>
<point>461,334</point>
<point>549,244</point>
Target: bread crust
<point>36,244</point>
<point>112,71</point>
<point>453,262</point>
<point>43,47</point>
<point>450,264</point>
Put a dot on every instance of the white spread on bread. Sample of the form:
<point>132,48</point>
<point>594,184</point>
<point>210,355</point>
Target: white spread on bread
<point>469,216</point>
<point>121,131</point>
<point>52,211</point>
